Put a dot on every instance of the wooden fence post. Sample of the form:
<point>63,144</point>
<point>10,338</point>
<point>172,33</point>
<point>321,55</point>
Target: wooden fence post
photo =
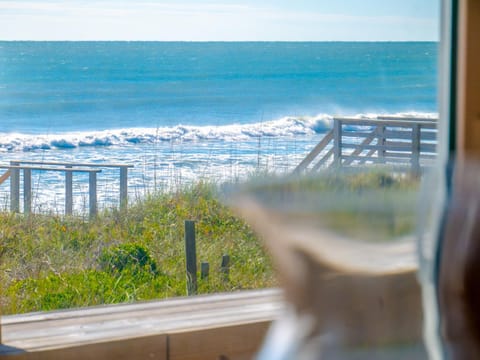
<point>15,188</point>
<point>337,143</point>
<point>191,257</point>
<point>416,148</point>
<point>123,186</point>
<point>204,270</point>
<point>92,191</point>
<point>381,142</point>
<point>68,191</point>
<point>27,191</point>
<point>225,267</point>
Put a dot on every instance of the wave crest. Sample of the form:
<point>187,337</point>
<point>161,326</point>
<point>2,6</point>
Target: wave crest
<point>285,127</point>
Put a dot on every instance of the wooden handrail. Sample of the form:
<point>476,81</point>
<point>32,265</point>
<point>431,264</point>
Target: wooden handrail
<point>5,176</point>
<point>68,206</point>
<point>45,168</point>
<point>314,153</point>
<point>16,166</point>
<point>381,140</point>
<point>60,163</point>
<point>367,141</point>
<point>432,124</point>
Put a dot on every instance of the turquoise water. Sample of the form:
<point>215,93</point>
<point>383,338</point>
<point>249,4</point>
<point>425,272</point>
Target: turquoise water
<point>70,86</point>
<point>184,110</point>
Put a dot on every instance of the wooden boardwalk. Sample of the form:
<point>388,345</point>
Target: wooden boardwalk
<point>396,141</point>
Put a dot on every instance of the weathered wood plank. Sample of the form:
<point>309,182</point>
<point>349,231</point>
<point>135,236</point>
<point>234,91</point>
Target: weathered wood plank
<point>124,186</point>
<point>92,193</point>
<point>386,159</point>
<point>204,270</point>
<point>361,147</point>
<point>369,140</point>
<point>27,191</point>
<point>337,143</point>
<point>79,164</point>
<point>14,187</point>
<point>68,191</point>
<point>135,348</point>
<point>407,135</point>
<point>369,155</point>
<point>37,332</point>
<point>392,135</point>
<point>323,160</point>
<point>396,146</point>
<point>190,257</point>
<point>391,123</point>
<point>164,306</point>
<point>238,342</point>
<point>5,176</point>
<point>416,148</point>
<point>314,152</point>
<point>403,118</point>
<point>69,169</point>
<point>21,167</point>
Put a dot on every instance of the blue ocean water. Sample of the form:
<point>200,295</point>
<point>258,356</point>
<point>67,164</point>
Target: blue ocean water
<point>180,110</point>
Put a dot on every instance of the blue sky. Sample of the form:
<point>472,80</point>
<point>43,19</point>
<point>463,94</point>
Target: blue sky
<point>220,20</point>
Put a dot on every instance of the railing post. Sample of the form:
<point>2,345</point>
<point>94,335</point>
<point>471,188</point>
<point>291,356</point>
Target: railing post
<point>204,270</point>
<point>15,188</point>
<point>416,148</point>
<point>27,191</point>
<point>123,186</point>
<point>92,190</point>
<point>381,142</point>
<point>337,142</point>
<point>225,266</point>
<point>68,191</point>
<point>191,257</point>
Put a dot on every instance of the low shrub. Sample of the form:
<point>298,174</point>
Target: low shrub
<point>130,256</point>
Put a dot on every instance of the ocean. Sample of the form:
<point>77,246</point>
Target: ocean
<point>184,111</point>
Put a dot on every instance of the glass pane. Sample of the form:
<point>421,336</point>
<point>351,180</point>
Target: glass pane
<point>109,147</point>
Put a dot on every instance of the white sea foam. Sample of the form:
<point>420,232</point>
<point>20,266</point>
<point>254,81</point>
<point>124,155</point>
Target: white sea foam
<point>165,158</point>
<point>284,127</point>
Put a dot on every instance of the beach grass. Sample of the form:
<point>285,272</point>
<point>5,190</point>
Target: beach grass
<point>138,253</point>
<point>55,262</point>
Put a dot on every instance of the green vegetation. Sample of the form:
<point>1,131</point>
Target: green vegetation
<point>50,262</point>
<point>53,262</point>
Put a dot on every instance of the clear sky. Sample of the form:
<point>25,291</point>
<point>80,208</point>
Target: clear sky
<point>220,20</point>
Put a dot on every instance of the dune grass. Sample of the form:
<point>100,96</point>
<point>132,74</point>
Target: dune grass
<point>54,262</point>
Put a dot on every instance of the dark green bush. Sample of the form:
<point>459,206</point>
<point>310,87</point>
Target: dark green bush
<point>133,257</point>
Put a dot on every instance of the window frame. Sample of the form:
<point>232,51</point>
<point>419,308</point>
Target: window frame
<point>459,89</point>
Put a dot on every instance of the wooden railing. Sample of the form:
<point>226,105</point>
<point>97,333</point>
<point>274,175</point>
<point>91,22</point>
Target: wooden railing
<point>17,167</point>
<point>220,326</point>
<point>391,140</point>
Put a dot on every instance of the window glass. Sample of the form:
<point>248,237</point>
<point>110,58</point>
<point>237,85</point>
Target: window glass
<point>121,122</point>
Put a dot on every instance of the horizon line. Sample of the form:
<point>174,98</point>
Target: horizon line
<point>218,41</point>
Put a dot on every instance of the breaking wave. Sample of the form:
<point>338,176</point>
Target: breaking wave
<point>284,127</point>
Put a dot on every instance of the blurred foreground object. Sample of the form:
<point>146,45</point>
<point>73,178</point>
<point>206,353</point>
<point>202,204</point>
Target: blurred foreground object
<point>459,265</point>
<point>344,246</point>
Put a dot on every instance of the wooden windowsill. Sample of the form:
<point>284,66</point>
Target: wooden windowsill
<point>230,319</point>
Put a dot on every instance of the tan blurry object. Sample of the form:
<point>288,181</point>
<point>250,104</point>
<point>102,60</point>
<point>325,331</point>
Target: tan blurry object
<point>459,270</point>
<point>468,79</point>
<point>459,267</point>
<point>353,299</point>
